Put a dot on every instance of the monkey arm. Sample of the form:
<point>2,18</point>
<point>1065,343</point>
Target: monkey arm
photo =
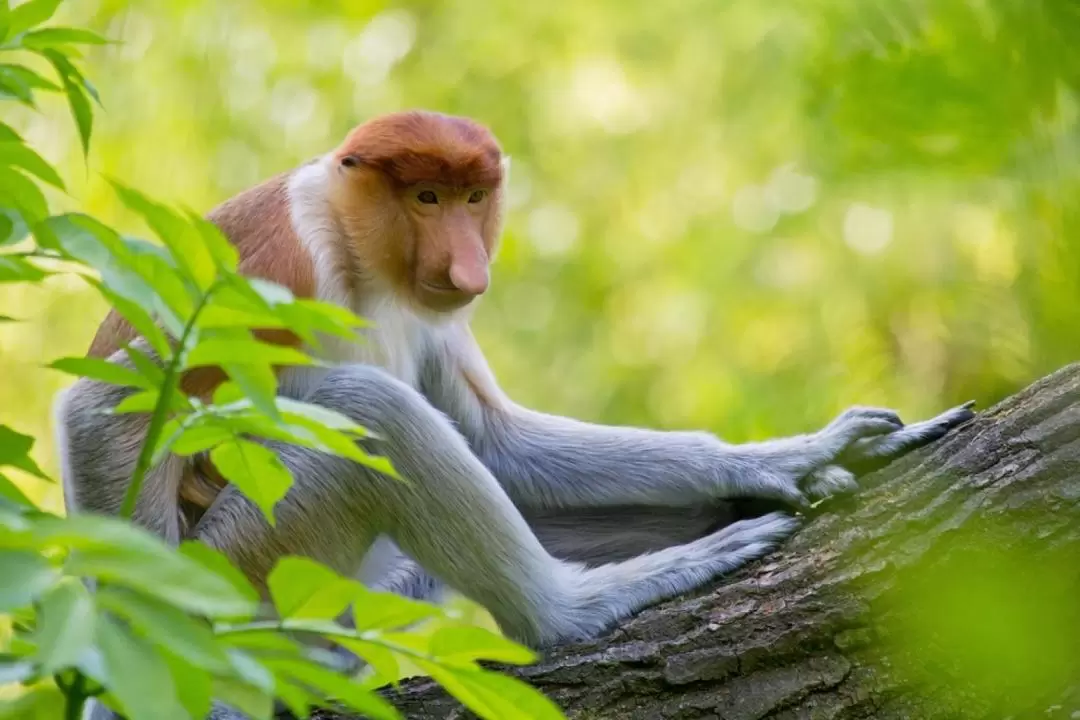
<point>547,462</point>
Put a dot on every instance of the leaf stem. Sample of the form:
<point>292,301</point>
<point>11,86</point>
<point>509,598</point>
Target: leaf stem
<point>75,698</point>
<point>161,408</point>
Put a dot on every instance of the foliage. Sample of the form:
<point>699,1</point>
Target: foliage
<point>166,630</point>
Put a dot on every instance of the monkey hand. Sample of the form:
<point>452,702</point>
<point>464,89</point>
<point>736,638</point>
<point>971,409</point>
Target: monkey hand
<point>870,453</point>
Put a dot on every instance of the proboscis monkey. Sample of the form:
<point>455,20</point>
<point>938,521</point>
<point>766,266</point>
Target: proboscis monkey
<point>400,223</point>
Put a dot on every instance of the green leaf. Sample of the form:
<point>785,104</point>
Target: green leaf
<point>138,318</point>
<point>216,562</point>
<point>246,698</point>
<point>334,686</point>
<point>258,383</point>
<point>65,625</point>
<point>303,588</point>
<point>383,660</point>
<point>30,14</point>
<point>145,365</point>
<point>128,268</point>
<point>469,643</point>
<point>255,470</point>
<point>117,551</point>
<point>52,37</point>
<point>11,492</point>
<point>229,351</point>
<point>13,227</point>
<point>223,251</point>
<point>183,240</point>
<point>15,269</point>
<point>389,611</point>
<point>267,641</point>
<point>166,626</point>
<point>194,685</point>
<point>16,154</point>
<point>201,437</point>
<point>15,452</point>
<point>11,87</point>
<point>141,680</point>
<point>103,371</point>
<point>492,695</point>
<point>40,702</point>
<point>75,88</point>
<point>22,193</point>
<point>26,575</point>
<point>141,402</point>
<point>29,79</point>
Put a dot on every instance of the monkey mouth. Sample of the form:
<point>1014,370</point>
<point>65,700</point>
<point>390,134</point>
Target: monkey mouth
<point>442,297</point>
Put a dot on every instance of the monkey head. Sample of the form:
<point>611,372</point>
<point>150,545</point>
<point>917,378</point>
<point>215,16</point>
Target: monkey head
<point>419,197</point>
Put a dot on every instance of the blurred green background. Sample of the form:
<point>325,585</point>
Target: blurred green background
<point>740,216</point>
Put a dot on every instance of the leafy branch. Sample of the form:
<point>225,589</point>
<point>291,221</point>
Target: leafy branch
<point>167,631</point>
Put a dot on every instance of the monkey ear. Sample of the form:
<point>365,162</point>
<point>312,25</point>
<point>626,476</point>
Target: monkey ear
<point>350,161</point>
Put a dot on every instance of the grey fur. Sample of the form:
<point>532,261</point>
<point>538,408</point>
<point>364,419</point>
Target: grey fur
<point>474,475</point>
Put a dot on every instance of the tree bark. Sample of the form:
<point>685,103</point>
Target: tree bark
<point>949,588</point>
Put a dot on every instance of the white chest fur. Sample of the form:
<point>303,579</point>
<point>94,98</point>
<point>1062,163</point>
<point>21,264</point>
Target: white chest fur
<point>396,337</point>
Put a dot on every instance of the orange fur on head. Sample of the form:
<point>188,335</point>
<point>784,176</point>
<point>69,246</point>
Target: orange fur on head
<point>416,147</point>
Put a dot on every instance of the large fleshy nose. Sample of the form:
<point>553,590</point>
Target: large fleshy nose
<point>470,276</point>
<point>469,271</point>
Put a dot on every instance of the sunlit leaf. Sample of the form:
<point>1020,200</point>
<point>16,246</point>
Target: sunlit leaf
<point>143,683</point>
<point>138,317</point>
<point>389,611</point>
<point>223,252</point>
<point>216,562</point>
<point>383,660</point>
<point>219,351</point>
<point>65,625</point>
<point>141,402</point>
<point>26,575</point>
<point>335,686</point>
<point>15,452</point>
<point>492,695</point>
<point>248,699</point>
<point>120,552</point>
<point>19,191</point>
<point>102,370</point>
<point>13,227</point>
<point>30,14</point>
<point>12,493</point>
<point>145,365</point>
<point>183,239</point>
<point>303,588</point>
<point>59,36</point>
<point>200,437</point>
<point>469,643</point>
<point>166,626</point>
<point>75,89</point>
<point>194,685</point>
<point>257,381</point>
<point>16,154</point>
<point>41,702</point>
<point>15,269</point>
<point>255,470</point>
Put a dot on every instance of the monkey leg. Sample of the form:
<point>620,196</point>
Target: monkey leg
<point>453,517</point>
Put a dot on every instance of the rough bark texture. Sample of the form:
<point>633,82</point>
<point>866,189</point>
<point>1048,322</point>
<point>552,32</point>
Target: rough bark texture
<point>949,588</point>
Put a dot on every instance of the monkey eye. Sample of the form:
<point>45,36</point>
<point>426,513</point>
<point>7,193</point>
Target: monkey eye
<point>477,196</point>
<point>428,198</point>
